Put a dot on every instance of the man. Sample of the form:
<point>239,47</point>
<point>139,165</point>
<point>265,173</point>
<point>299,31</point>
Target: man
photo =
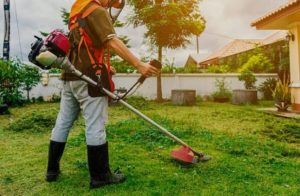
<point>78,95</point>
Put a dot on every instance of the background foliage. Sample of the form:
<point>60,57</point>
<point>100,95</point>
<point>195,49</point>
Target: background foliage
<point>273,58</point>
<point>267,88</point>
<point>248,78</point>
<point>15,77</point>
<point>259,62</point>
<point>223,90</point>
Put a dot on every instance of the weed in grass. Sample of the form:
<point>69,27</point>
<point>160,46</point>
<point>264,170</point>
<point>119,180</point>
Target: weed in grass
<point>290,153</point>
<point>7,180</point>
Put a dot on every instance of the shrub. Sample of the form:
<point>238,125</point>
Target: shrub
<point>10,82</point>
<point>3,108</point>
<point>218,69</point>
<point>122,66</point>
<point>14,77</point>
<point>54,71</point>
<point>191,69</point>
<point>267,88</point>
<point>248,78</point>
<point>168,69</point>
<point>168,66</point>
<point>55,98</point>
<point>40,99</point>
<point>282,95</point>
<point>223,90</point>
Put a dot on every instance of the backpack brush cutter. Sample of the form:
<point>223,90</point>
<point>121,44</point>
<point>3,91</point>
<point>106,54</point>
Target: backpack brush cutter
<point>51,53</point>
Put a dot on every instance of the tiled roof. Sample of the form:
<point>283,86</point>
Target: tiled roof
<point>234,47</point>
<point>278,36</point>
<point>242,45</point>
<point>282,8</point>
<point>196,57</point>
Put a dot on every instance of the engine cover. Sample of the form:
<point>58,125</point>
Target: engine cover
<point>57,43</point>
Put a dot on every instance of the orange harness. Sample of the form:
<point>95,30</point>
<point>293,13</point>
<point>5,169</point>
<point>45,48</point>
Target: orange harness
<point>96,56</point>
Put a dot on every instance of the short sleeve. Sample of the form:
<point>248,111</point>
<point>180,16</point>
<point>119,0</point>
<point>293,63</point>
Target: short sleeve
<point>100,26</point>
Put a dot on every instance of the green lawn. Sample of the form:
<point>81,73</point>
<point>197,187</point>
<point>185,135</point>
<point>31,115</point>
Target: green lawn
<point>253,153</point>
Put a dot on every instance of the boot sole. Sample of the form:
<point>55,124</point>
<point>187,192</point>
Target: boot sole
<point>100,184</point>
<point>51,177</point>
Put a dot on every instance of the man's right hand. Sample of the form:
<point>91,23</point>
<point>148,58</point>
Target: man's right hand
<point>147,70</point>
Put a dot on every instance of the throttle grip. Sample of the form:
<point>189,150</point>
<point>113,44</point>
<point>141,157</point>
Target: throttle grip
<point>155,63</point>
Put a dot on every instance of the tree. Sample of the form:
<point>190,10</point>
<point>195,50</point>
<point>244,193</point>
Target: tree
<point>259,62</point>
<point>169,23</point>
<point>15,76</point>
<point>30,77</point>
<point>10,83</point>
<point>65,16</point>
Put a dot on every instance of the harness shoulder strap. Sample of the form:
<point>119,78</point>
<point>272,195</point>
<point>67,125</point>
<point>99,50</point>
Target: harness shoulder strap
<point>74,21</point>
<point>77,21</point>
<point>90,10</point>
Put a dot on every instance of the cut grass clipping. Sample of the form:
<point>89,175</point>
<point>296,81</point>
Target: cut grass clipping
<point>35,121</point>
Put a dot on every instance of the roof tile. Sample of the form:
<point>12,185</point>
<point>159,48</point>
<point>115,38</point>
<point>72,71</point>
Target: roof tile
<point>272,13</point>
<point>242,45</point>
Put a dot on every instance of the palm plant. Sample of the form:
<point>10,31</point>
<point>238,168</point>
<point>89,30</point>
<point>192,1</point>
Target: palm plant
<point>281,95</point>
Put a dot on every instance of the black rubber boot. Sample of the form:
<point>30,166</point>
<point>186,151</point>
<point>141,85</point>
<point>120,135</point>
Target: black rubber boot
<point>56,150</point>
<point>98,162</point>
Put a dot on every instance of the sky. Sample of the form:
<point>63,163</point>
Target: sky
<point>226,20</point>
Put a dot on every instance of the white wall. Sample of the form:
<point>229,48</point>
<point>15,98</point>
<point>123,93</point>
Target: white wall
<point>204,84</point>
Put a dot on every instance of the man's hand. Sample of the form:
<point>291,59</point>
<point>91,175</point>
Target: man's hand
<point>147,70</point>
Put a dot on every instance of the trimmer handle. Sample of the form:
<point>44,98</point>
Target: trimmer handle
<point>155,63</point>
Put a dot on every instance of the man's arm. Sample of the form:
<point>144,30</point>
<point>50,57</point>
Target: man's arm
<point>120,48</point>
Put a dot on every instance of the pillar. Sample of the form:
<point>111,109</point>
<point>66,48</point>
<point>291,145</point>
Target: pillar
<point>295,68</point>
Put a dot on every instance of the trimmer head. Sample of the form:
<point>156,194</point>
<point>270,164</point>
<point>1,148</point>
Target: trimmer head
<point>186,155</point>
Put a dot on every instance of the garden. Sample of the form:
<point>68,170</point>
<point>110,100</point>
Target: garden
<point>253,153</point>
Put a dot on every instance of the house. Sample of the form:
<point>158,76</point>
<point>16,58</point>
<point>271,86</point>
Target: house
<point>193,59</point>
<point>287,17</point>
<point>235,47</point>
<point>240,46</point>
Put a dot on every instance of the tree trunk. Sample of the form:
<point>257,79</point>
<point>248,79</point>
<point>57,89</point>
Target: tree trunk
<point>197,41</point>
<point>159,91</point>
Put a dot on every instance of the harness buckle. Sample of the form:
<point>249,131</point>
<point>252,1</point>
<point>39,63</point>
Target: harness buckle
<point>81,22</point>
